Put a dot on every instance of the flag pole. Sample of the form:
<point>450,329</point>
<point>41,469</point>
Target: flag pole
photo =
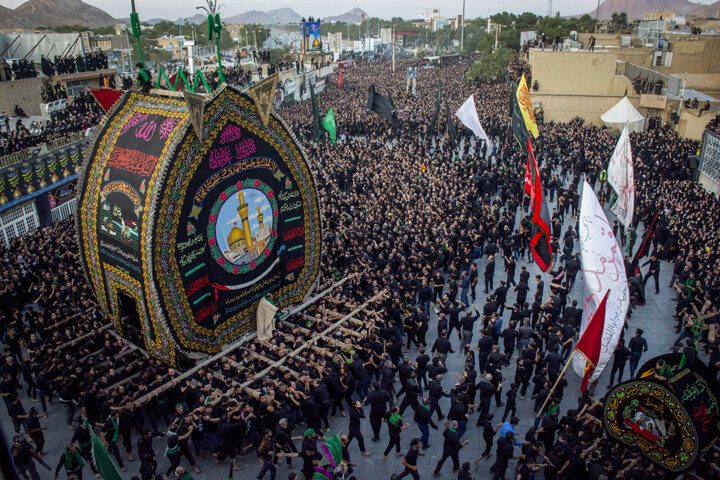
<point>575,350</point>
<point>549,396</point>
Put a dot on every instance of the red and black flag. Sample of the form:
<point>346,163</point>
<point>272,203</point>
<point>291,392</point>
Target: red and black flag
<point>540,238</point>
<point>644,246</point>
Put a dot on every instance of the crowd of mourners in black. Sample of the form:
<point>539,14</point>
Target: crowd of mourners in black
<point>81,113</point>
<point>88,62</point>
<point>421,238</point>
<point>20,69</point>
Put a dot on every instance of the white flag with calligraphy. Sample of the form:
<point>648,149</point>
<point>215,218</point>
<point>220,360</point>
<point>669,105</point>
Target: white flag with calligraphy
<point>620,177</point>
<point>467,114</point>
<point>603,268</point>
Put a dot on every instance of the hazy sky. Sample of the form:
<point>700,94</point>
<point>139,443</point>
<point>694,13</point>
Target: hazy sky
<point>173,9</point>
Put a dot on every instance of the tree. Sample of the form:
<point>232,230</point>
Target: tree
<point>505,19</point>
<point>619,21</point>
<point>491,66</point>
<point>67,28</point>
<point>526,21</point>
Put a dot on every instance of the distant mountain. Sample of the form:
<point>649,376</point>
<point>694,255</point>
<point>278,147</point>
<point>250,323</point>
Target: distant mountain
<point>196,19</point>
<point>63,12</point>
<point>355,15</point>
<point>707,11</point>
<point>636,8</point>
<point>11,19</point>
<point>155,21</point>
<point>279,15</point>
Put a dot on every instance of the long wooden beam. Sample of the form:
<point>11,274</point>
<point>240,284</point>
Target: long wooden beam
<point>331,328</point>
<point>268,361</point>
<point>319,296</point>
<point>83,337</point>
<point>224,352</point>
<point>197,367</point>
<point>310,333</point>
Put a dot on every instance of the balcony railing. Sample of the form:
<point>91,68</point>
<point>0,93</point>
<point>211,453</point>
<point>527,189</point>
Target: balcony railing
<point>23,155</point>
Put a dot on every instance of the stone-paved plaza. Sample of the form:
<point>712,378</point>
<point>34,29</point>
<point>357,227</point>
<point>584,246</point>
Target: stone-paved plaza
<point>654,318</point>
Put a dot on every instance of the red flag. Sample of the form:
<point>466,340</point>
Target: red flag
<point>106,97</point>
<point>340,82</point>
<point>528,178</point>
<point>590,342</point>
<point>540,239</point>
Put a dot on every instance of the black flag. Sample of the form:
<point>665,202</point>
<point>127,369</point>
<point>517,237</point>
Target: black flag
<point>382,105</point>
<point>451,129</point>
<point>433,121</point>
<point>318,132</point>
<point>517,122</point>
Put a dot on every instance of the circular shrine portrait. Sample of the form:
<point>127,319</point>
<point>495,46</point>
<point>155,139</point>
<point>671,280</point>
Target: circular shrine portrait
<point>242,233</point>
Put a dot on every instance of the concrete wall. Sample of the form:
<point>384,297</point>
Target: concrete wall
<point>693,54</point>
<point>708,184</point>
<point>601,39</point>
<point>641,56</point>
<point>579,73</point>
<point>705,82</point>
<point>690,125</point>
<point>562,108</point>
<point>25,93</point>
<point>27,41</point>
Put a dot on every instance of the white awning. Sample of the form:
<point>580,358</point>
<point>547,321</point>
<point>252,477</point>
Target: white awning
<point>623,113</point>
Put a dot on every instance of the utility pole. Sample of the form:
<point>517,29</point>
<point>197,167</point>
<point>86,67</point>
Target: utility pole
<point>497,30</point>
<point>392,35</point>
<point>549,14</point>
<point>462,28</point>
<point>597,13</point>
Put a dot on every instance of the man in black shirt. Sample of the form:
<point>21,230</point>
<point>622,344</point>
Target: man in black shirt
<point>378,399</point>
<point>395,426</point>
<point>410,461</point>
<point>423,418</point>
<point>436,392</point>
<point>504,455</point>
<point>442,346</point>
<point>638,345</point>
<point>356,414</point>
<point>489,273</point>
<point>654,272</point>
<point>72,461</point>
<point>22,453</point>
<point>284,440</point>
<point>451,448</point>
<point>467,327</point>
<point>620,358</point>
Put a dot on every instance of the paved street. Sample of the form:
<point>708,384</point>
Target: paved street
<point>654,318</point>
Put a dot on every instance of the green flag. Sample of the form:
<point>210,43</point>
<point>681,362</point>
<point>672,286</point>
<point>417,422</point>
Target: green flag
<point>318,133</point>
<point>105,465</point>
<point>329,124</point>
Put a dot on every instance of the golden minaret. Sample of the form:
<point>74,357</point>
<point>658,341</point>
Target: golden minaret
<point>260,218</point>
<point>243,213</point>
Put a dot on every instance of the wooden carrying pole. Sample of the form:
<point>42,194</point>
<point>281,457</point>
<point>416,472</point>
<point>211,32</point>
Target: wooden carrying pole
<point>332,327</point>
<point>232,347</point>
<point>547,399</point>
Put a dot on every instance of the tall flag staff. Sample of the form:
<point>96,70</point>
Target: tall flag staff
<point>620,176</point>
<point>603,269</point>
